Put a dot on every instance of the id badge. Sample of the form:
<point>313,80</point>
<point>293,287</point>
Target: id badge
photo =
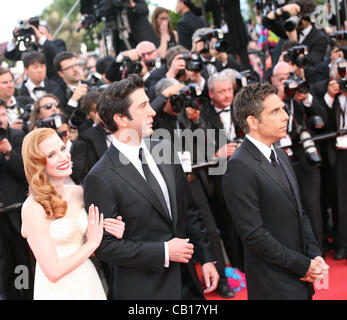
<point>341,142</point>
<point>186,161</point>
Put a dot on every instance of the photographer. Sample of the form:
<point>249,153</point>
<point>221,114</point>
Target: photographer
<point>333,95</point>
<point>209,46</point>
<point>43,43</point>
<point>13,189</point>
<point>293,22</point>
<point>15,106</point>
<point>302,108</point>
<point>71,88</point>
<point>36,84</point>
<point>128,20</point>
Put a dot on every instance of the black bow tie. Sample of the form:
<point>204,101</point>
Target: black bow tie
<point>224,110</point>
<point>38,89</point>
<point>11,107</point>
<point>209,62</point>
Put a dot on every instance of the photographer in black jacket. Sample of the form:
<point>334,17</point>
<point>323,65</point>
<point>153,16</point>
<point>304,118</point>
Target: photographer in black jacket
<point>293,22</point>
<point>13,189</point>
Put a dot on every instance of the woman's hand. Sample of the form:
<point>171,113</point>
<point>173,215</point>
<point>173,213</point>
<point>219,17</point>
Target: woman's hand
<point>95,227</point>
<point>115,226</point>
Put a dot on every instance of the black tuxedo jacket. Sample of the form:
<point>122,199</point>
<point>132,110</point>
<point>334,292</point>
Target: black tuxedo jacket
<point>277,236</point>
<point>317,44</point>
<point>13,185</point>
<point>49,85</point>
<point>138,258</point>
<point>63,92</point>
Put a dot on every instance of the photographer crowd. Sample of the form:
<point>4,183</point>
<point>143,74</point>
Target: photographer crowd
<point>192,76</point>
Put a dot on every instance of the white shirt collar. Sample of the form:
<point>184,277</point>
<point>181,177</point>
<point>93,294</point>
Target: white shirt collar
<point>130,151</point>
<point>305,32</point>
<point>263,148</point>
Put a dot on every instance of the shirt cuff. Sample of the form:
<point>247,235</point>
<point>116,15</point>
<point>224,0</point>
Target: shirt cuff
<point>167,258</point>
<point>328,100</point>
<point>10,46</point>
<point>72,103</point>
<point>308,101</point>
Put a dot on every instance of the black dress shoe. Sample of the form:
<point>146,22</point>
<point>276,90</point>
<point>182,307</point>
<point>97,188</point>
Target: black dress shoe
<point>225,291</point>
<point>339,254</point>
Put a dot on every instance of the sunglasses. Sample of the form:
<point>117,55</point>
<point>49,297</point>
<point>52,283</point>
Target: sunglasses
<point>48,106</point>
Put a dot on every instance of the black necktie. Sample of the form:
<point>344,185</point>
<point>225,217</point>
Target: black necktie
<point>152,181</point>
<point>280,172</point>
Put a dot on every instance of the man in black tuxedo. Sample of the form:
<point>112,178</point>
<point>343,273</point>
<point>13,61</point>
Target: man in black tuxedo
<point>14,250</point>
<point>282,257</point>
<point>187,24</point>
<point>37,84</point>
<point>153,260</point>
<point>70,89</point>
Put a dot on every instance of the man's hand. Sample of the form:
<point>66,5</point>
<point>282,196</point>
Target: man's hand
<point>211,276</point>
<point>197,46</point>
<point>293,9</point>
<point>227,150</point>
<point>180,250</point>
<point>132,54</point>
<point>17,124</point>
<point>170,91</point>
<point>317,270</point>
<point>5,146</point>
<point>80,91</point>
<point>333,88</point>
<point>177,64</point>
<point>192,114</point>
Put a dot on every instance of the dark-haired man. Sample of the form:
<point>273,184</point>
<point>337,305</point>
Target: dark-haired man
<point>71,89</point>
<point>153,260</point>
<point>35,68</point>
<point>282,257</point>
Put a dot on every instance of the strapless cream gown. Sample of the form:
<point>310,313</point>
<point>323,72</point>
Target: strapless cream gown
<point>83,283</point>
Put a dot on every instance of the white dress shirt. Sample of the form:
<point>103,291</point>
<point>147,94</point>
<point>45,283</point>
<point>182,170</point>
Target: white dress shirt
<point>30,86</point>
<point>304,34</point>
<point>263,148</point>
<point>132,154</point>
<point>228,125</point>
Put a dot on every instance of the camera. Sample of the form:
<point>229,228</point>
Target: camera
<point>192,64</point>
<point>245,78</point>
<point>341,69</point>
<point>129,67</point>
<point>3,132</point>
<point>291,23</point>
<point>188,96</point>
<point>25,39</point>
<point>268,5</point>
<point>339,35</point>
<point>310,148</point>
<point>294,84</point>
<point>153,63</point>
<point>220,45</point>
<point>53,122</point>
<point>25,112</point>
<point>297,55</point>
<point>77,118</point>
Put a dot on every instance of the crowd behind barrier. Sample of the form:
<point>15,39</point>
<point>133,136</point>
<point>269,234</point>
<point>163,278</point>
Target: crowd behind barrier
<point>191,76</point>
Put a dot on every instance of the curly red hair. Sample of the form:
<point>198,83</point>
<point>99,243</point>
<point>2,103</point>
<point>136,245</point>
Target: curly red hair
<point>34,166</point>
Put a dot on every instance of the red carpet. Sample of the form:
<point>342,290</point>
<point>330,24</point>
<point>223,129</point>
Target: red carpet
<point>332,288</point>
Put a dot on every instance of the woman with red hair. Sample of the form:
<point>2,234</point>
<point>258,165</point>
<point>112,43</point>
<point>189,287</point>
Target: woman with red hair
<point>58,230</point>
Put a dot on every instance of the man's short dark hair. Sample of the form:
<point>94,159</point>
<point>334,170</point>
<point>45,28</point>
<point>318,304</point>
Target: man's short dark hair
<point>61,57</point>
<point>115,100</point>
<point>249,102</point>
<point>102,64</point>
<point>32,57</point>
<point>4,71</point>
<point>88,100</point>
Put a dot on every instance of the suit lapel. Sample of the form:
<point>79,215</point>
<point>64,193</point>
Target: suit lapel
<point>130,174</point>
<point>270,170</point>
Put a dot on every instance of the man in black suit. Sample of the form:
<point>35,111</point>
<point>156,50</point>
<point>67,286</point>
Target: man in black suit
<point>14,250</point>
<point>282,257</point>
<point>44,43</point>
<point>70,89</point>
<point>37,84</point>
<point>153,260</point>
<point>305,32</point>
<point>187,24</point>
